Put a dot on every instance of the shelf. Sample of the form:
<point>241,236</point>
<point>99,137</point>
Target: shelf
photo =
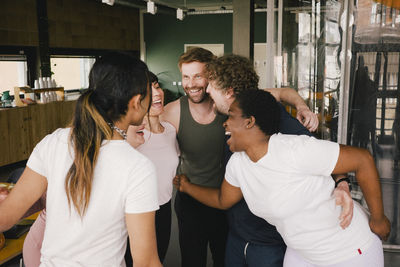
<point>26,89</point>
<point>23,127</point>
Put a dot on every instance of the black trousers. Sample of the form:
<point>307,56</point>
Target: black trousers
<point>199,226</point>
<point>163,229</point>
<point>163,233</point>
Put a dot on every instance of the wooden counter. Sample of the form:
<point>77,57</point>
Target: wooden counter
<point>13,247</point>
<point>21,128</point>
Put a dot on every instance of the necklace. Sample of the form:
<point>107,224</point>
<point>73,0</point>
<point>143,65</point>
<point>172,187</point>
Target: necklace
<point>121,132</point>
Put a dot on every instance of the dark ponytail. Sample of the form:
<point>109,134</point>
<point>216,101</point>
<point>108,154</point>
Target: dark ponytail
<point>113,81</point>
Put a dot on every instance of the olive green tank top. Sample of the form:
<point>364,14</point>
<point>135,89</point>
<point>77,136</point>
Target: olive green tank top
<point>202,148</point>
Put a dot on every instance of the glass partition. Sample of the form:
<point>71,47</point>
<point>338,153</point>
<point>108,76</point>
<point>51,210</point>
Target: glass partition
<point>374,98</point>
<point>311,45</point>
<point>319,54</point>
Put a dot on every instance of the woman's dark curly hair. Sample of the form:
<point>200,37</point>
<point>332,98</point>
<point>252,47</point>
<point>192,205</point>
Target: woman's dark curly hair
<point>233,71</point>
<point>263,107</point>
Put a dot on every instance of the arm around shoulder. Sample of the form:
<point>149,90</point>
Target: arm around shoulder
<point>304,114</point>
<point>288,95</point>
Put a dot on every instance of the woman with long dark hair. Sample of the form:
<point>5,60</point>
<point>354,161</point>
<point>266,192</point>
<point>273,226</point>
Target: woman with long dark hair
<point>99,188</point>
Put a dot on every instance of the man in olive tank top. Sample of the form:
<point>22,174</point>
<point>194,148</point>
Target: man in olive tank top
<point>201,140</point>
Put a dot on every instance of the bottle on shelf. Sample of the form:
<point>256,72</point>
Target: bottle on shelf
<point>46,82</point>
<point>49,84</point>
<point>41,84</point>
<point>54,95</point>
<point>47,95</point>
<point>42,98</point>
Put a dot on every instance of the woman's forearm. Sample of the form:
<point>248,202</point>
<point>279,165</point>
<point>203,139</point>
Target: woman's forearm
<point>206,195</point>
<point>220,198</point>
<point>360,161</point>
<point>368,178</point>
<point>38,206</point>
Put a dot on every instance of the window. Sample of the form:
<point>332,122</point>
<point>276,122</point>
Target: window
<point>13,72</point>
<point>71,72</point>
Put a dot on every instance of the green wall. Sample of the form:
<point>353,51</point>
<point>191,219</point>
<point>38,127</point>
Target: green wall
<point>165,37</point>
<point>260,26</point>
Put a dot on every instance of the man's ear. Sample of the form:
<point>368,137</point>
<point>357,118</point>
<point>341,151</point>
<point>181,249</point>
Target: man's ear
<point>230,92</point>
<point>250,122</point>
<point>134,103</point>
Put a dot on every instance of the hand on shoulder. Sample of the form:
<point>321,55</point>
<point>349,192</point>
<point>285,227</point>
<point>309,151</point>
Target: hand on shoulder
<point>308,118</point>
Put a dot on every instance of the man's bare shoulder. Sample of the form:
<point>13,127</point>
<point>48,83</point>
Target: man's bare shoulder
<point>172,112</point>
<point>172,106</point>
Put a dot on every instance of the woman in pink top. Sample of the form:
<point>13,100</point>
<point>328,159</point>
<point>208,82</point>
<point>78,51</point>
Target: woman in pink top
<point>34,239</point>
<point>157,140</point>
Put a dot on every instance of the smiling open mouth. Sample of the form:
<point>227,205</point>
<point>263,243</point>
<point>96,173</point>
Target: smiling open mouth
<point>193,91</point>
<point>140,132</point>
<point>156,103</point>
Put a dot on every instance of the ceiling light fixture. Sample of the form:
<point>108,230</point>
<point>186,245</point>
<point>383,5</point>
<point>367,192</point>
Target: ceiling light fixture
<point>108,2</point>
<point>151,7</point>
<point>179,14</point>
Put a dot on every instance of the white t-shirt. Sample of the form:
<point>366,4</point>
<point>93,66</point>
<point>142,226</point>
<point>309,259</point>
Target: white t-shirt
<point>124,182</point>
<point>162,149</point>
<point>291,188</point>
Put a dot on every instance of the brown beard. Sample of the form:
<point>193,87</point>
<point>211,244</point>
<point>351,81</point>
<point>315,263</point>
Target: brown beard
<point>205,97</point>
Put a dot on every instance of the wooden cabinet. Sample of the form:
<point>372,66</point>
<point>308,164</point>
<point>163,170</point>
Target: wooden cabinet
<point>18,134</point>
<point>21,128</point>
<point>4,145</point>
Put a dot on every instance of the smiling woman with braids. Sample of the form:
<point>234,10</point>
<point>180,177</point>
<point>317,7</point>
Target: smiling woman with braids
<point>99,188</point>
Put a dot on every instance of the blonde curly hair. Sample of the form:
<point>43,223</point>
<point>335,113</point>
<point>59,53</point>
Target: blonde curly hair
<point>232,71</point>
